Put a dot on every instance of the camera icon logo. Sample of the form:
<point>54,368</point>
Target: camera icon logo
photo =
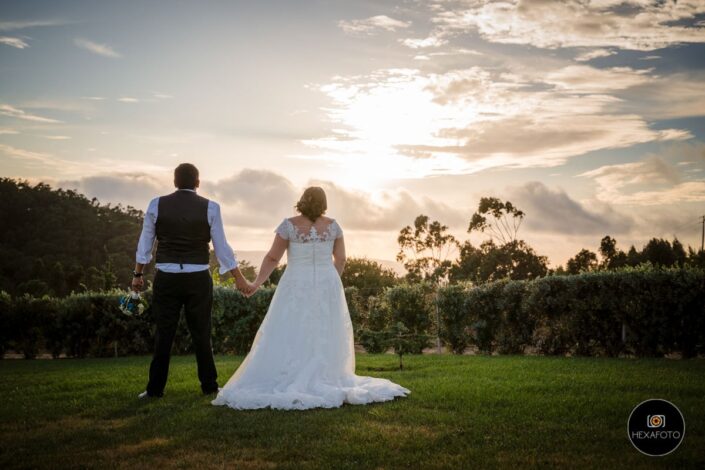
<point>656,421</point>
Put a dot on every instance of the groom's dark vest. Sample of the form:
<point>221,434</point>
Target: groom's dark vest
<point>182,229</point>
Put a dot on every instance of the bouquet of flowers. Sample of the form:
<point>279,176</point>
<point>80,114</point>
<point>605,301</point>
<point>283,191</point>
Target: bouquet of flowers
<point>132,303</point>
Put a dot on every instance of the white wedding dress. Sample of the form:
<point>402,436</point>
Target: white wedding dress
<point>303,356</point>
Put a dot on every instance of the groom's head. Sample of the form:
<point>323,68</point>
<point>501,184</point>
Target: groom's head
<point>186,176</point>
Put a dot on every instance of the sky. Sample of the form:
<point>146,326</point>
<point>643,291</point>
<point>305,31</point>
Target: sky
<point>587,115</point>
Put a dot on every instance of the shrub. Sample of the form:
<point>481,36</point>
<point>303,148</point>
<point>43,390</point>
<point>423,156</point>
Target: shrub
<point>454,330</point>
<point>409,304</point>
<point>483,315</point>
<point>357,314</point>
<point>516,326</point>
<point>236,319</point>
<point>372,336</point>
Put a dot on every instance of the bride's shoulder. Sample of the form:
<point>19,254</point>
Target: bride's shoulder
<point>284,229</point>
<point>334,227</point>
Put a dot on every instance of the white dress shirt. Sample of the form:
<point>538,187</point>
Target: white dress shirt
<point>223,252</point>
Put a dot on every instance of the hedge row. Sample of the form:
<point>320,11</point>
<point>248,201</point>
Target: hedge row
<point>92,325</point>
<point>640,312</point>
<point>636,311</point>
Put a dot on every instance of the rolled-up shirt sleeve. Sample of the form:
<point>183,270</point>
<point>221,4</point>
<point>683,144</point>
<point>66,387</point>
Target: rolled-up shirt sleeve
<point>223,252</point>
<point>148,235</point>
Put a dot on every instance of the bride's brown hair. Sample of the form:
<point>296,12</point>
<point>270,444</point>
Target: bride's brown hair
<point>313,203</point>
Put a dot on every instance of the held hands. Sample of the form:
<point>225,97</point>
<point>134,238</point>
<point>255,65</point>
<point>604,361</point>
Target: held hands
<point>253,288</point>
<point>245,286</point>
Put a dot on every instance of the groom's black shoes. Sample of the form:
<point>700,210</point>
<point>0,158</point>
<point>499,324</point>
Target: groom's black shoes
<point>145,395</point>
<point>212,391</point>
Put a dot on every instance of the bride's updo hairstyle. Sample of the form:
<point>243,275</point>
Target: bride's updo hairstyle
<point>313,203</point>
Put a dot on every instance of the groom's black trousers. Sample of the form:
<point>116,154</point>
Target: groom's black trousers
<point>193,292</point>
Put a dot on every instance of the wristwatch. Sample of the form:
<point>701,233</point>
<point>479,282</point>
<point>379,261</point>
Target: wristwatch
<point>136,274</point>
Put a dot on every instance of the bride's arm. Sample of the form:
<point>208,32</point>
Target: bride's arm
<point>271,259</point>
<point>339,255</point>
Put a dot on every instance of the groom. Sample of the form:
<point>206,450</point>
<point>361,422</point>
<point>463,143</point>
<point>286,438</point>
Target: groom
<point>183,223</point>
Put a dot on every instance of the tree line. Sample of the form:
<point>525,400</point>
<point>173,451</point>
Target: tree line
<point>55,242</point>
<point>426,250</point>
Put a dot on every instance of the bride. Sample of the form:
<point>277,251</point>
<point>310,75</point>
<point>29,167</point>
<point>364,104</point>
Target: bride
<point>303,356</point>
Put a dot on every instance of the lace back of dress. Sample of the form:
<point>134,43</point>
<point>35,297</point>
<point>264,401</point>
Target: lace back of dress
<point>291,232</point>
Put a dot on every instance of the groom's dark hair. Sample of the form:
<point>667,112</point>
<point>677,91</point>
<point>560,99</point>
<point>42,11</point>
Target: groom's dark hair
<point>186,176</point>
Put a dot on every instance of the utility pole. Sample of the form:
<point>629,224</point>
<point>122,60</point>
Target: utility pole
<point>702,237</point>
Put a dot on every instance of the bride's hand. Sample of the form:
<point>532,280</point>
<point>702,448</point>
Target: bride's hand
<point>252,288</point>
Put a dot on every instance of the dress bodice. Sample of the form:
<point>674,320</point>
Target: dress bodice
<point>312,248</point>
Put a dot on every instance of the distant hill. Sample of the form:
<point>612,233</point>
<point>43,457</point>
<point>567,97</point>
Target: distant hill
<point>54,242</point>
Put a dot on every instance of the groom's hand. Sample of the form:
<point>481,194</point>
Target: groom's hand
<point>242,284</point>
<point>137,283</point>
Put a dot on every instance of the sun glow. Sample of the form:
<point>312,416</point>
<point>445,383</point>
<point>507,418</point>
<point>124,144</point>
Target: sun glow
<point>372,116</point>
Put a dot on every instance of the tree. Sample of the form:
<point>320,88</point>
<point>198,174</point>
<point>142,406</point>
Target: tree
<point>514,260</point>
<point>660,252</point>
<point>44,231</point>
<point>502,255</point>
<point>696,258</point>
<point>369,276</point>
<point>585,260</point>
<point>612,258</point>
<point>493,216</point>
<point>247,270</point>
<point>425,249</point>
<point>633,256</point>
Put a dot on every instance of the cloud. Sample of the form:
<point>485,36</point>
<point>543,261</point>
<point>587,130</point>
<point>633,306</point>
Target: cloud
<point>630,24</point>
<point>11,111</point>
<point>254,198</point>
<point>430,41</point>
<point>387,210</point>
<point>687,191</point>
<point>464,121</point>
<point>28,156</point>
<point>8,131</point>
<point>57,137</point>
<point>594,54</point>
<point>372,24</point>
<point>134,189</point>
<point>671,96</point>
<point>18,43</point>
<point>586,79</point>
<point>658,179</point>
<point>554,211</point>
<point>260,199</point>
<point>128,99</point>
<point>96,48</point>
<point>15,25</point>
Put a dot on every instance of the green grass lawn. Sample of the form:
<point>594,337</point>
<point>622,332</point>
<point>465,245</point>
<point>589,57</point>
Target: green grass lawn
<point>463,412</point>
